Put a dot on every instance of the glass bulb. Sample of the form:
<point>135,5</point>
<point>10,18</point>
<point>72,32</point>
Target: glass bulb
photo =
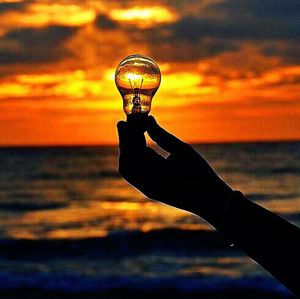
<point>137,79</point>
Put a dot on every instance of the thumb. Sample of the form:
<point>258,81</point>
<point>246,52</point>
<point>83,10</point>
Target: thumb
<point>164,139</point>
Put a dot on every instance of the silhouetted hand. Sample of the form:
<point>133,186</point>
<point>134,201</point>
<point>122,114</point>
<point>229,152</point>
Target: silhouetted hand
<point>183,180</point>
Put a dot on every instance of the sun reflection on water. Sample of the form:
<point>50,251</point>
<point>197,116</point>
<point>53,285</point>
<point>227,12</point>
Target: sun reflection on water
<point>98,219</point>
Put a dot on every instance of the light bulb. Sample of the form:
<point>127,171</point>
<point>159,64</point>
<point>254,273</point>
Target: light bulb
<point>137,79</point>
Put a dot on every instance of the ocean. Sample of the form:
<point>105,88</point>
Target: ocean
<point>71,227</point>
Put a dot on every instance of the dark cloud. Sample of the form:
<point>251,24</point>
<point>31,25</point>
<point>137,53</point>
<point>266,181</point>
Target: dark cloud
<point>192,28</point>
<point>274,25</point>
<point>254,19</point>
<point>227,25</point>
<point>288,51</point>
<point>184,44</point>
<point>11,6</point>
<point>46,36</point>
<point>283,9</point>
<point>41,45</point>
<point>178,50</point>
<point>32,57</point>
<point>104,22</point>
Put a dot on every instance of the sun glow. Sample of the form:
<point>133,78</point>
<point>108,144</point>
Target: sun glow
<point>144,16</point>
<point>41,14</point>
<point>76,84</point>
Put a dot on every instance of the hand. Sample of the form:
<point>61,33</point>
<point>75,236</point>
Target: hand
<point>183,180</point>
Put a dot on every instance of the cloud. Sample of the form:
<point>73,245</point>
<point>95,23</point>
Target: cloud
<point>106,23</point>
<point>272,26</point>
<point>254,19</point>
<point>41,13</point>
<point>233,28</point>
<point>178,50</point>
<point>288,51</point>
<point>11,6</point>
<point>7,57</point>
<point>52,35</point>
<point>280,9</point>
<point>180,42</point>
<point>28,45</point>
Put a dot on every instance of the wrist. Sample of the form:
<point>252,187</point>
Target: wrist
<point>232,203</point>
<point>213,202</point>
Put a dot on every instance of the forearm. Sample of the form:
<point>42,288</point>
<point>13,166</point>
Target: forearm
<point>267,238</point>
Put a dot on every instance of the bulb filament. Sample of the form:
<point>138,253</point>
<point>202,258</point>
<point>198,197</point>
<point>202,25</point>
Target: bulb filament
<point>136,101</point>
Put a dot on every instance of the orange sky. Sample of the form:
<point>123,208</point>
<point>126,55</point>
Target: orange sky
<point>230,69</point>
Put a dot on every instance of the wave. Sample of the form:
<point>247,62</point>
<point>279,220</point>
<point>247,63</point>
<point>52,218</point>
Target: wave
<point>270,196</point>
<point>125,243</point>
<point>72,283</point>
<point>258,171</point>
<point>30,206</point>
<point>65,266</point>
<point>286,170</point>
<point>83,175</point>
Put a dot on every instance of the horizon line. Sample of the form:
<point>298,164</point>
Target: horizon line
<point>116,144</point>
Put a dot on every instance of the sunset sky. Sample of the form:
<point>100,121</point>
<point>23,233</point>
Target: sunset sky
<point>230,68</point>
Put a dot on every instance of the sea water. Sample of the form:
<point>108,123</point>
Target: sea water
<point>69,224</point>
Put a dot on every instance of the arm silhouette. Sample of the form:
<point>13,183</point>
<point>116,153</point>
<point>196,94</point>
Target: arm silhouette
<point>186,181</point>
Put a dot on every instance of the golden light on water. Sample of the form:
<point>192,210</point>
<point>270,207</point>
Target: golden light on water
<point>84,221</point>
<point>122,215</point>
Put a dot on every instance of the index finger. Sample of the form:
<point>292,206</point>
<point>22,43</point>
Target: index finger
<point>164,139</point>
